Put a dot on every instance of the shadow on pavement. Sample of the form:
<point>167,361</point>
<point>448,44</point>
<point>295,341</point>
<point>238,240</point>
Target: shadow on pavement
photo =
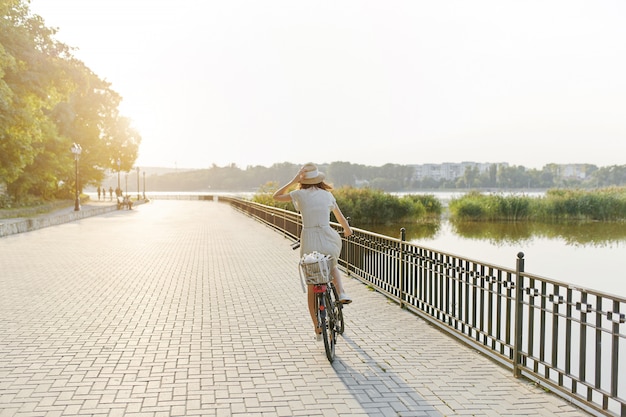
<point>379,391</point>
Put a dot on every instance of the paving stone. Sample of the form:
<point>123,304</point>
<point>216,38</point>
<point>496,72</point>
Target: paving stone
<point>191,308</point>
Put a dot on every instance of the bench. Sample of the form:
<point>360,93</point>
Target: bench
<point>124,202</point>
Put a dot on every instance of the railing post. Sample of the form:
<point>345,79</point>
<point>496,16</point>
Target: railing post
<point>348,251</point>
<point>519,319</point>
<point>401,266</point>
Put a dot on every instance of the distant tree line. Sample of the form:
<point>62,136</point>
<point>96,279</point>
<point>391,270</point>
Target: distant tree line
<point>389,177</point>
<point>48,101</point>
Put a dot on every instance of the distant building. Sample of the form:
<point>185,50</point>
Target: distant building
<point>573,171</point>
<point>450,170</point>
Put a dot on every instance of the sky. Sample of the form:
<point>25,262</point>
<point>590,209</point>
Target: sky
<point>251,83</point>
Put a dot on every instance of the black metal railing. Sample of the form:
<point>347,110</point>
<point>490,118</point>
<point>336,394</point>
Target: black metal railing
<point>565,338</point>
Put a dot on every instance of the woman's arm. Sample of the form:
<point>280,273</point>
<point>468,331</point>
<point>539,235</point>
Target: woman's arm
<point>281,194</point>
<point>347,230</point>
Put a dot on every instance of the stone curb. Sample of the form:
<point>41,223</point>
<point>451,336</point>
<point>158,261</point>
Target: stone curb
<point>12,227</point>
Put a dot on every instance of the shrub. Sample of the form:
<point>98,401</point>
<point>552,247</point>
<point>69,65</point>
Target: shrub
<point>468,210</point>
<point>370,206</point>
<point>366,205</point>
<point>265,193</point>
<point>431,204</point>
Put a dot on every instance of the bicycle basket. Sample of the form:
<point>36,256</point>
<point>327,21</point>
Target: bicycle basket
<point>316,268</point>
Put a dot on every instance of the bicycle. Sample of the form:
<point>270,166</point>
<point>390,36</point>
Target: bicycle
<point>327,306</point>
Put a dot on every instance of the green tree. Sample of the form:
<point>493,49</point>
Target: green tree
<point>469,178</point>
<point>49,100</point>
<point>29,65</point>
<point>342,173</point>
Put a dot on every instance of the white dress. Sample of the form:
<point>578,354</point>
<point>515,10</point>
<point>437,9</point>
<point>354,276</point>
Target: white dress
<point>315,206</point>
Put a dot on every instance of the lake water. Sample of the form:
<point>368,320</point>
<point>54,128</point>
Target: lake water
<point>589,255</point>
<point>595,263</point>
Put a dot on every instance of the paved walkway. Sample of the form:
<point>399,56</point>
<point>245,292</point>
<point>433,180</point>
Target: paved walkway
<point>189,308</point>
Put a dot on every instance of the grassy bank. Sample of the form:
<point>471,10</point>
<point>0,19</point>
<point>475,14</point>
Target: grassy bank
<point>34,209</point>
<point>37,207</point>
<point>605,204</point>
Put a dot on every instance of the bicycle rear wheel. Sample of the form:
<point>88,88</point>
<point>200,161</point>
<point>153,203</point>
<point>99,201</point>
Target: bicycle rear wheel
<point>327,324</point>
<point>338,310</point>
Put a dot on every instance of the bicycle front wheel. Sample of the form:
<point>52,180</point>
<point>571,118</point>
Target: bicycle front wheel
<point>327,324</point>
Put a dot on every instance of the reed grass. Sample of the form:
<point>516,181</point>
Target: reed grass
<point>604,204</point>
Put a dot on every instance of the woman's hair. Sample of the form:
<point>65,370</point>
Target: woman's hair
<point>322,185</point>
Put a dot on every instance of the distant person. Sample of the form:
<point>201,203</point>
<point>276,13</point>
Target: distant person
<point>111,192</point>
<point>315,202</point>
<point>98,193</point>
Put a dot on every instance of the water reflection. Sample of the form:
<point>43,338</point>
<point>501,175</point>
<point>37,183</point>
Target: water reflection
<point>413,231</point>
<point>595,234</point>
<point>588,255</point>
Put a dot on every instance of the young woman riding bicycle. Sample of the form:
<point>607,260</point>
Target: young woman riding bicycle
<point>315,202</point>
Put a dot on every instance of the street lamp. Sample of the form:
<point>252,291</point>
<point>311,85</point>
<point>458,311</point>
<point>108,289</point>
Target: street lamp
<point>119,189</point>
<point>144,185</point>
<point>76,150</point>
<point>138,196</point>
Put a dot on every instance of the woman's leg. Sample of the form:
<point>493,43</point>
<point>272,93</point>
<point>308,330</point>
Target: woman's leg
<point>312,311</point>
<point>343,297</point>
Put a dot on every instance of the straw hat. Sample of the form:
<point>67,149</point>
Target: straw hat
<point>312,175</point>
